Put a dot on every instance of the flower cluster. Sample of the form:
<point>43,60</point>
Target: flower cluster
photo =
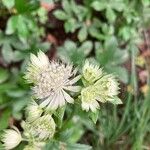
<point>99,87</point>
<point>53,86</point>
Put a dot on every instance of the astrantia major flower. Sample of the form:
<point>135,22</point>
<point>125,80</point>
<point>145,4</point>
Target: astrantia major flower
<point>41,129</point>
<point>91,72</point>
<point>108,87</point>
<point>89,99</point>
<point>11,138</point>
<point>103,88</point>
<point>33,111</point>
<point>51,81</point>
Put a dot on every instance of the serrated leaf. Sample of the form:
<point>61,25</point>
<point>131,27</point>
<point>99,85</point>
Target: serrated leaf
<point>111,43</point>
<point>61,15</point>
<point>66,6</point>
<point>82,35</point>
<point>99,6</point>
<point>71,25</point>
<point>86,47</point>
<point>110,14</point>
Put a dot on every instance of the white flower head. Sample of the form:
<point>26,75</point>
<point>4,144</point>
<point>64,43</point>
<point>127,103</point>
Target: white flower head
<point>113,86</point>
<point>102,88</point>
<point>88,99</point>
<point>51,81</point>
<point>33,111</point>
<point>108,86</point>
<point>91,73</point>
<point>41,129</point>
<point>11,138</point>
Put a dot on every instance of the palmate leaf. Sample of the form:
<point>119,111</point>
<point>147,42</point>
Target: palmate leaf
<point>73,53</point>
<point>111,57</point>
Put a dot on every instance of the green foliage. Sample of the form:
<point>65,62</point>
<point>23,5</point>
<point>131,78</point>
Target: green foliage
<point>70,52</point>
<point>106,32</point>
<point>111,57</point>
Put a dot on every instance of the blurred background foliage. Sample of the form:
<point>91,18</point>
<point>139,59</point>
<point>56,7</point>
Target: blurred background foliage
<point>114,34</point>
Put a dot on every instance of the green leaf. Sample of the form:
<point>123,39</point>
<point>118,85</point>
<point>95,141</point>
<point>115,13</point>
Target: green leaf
<point>23,29</point>
<point>19,105</point>
<point>24,6</point>
<point>7,53</point>
<point>116,101</point>
<point>53,145</point>
<point>95,32</point>
<point>94,116</point>
<point>110,14</point>
<point>15,93</point>
<point>71,25</point>
<point>70,45</point>
<point>12,25</point>
<point>59,113</point>
<point>66,6</point>
<point>4,119</point>
<point>99,6</point>
<point>111,44</point>
<point>61,15</point>
<point>3,75</point>
<point>8,3</point>
<point>82,35</point>
<point>118,5</point>
<point>86,47</point>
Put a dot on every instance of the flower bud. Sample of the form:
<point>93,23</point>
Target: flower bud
<point>11,138</point>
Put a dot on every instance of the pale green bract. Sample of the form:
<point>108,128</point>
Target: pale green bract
<point>91,73</point>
